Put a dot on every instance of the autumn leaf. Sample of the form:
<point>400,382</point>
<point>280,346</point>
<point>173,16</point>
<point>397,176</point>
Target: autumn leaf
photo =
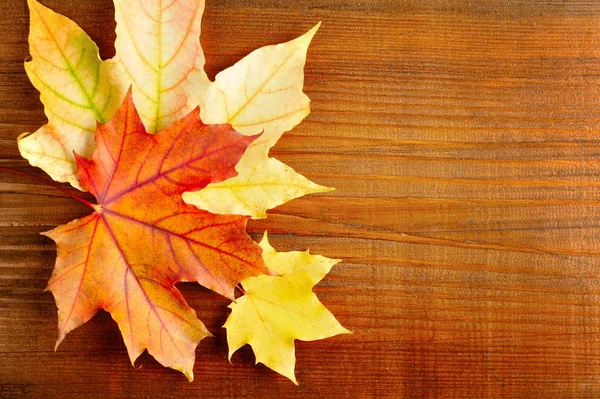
<point>76,87</point>
<point>142,238</point>
<point>261,93</point>
<point>158,47</point>
<point>158,53</point>
<point>164,200</point>
<point>276,310</point>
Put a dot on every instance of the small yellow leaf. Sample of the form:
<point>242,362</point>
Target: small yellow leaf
<point>276,310</point>
<point>262,93</point>
<point>76,87</point>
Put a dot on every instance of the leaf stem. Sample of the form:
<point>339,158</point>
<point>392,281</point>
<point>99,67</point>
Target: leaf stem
<point>49,183</point>
<point>239,287</point>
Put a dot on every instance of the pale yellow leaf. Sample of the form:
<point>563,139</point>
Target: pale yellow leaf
<point>158,45</point>
<point>276,310</point>
<point>260,185</point>
<point>262,93</point>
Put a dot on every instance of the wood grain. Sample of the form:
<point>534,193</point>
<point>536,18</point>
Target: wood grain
<point>462,138</point>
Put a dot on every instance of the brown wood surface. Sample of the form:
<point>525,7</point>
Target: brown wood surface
<point>463,140</point>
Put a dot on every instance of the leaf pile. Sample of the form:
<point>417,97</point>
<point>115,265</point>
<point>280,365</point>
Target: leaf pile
<point>177,164</point>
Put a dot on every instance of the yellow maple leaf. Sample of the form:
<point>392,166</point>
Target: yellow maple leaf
<point>262,93</point>
<point>276,310</point>
<point>160,57</point>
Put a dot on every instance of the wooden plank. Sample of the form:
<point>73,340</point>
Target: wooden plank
<point>462,140</point>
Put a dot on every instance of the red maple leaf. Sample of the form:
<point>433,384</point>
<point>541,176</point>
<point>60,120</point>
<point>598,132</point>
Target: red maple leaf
<point>142,238</point>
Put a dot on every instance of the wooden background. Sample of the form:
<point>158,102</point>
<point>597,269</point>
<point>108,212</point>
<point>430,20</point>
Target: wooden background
<point>462,137</point>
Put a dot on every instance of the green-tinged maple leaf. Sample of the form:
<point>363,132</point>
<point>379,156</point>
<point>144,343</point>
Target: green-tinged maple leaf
<point>159,55</point>
<point>276,310</point>
<point>142,238</point>
<point>77,88</point>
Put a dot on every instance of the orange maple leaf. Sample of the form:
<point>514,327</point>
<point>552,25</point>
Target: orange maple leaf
<point>142,238</point>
